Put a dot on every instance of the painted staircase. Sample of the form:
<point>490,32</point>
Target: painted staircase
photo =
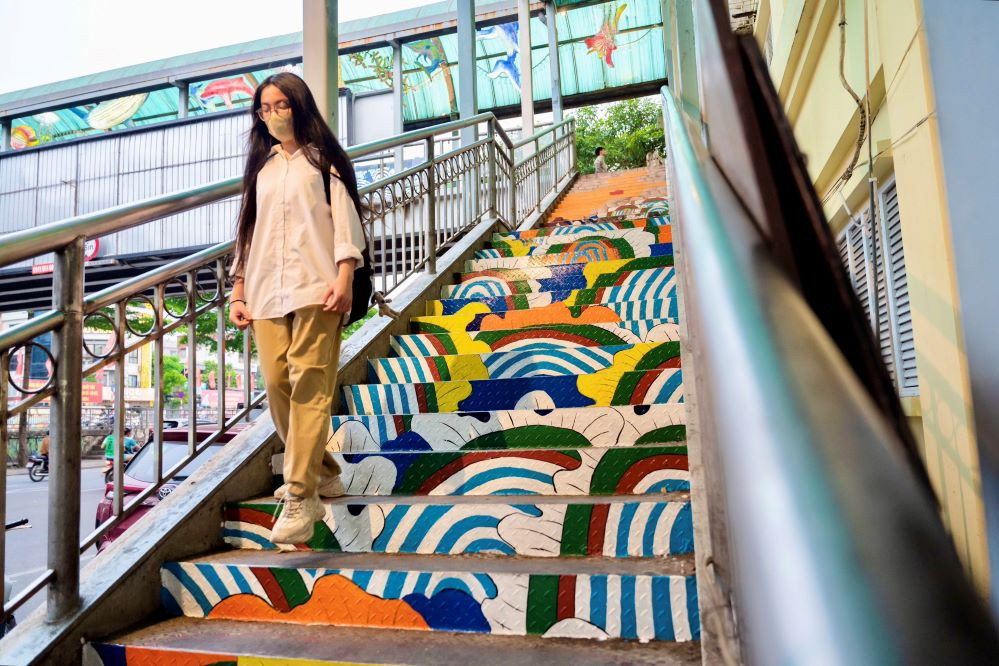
<point>516,475</point>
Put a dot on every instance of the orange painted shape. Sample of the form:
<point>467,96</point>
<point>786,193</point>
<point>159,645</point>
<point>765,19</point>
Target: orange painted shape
<point>149,656</point>
<point>556,313</point>
<point>335,600</point>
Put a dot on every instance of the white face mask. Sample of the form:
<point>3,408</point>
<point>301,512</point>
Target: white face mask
<point>280,127</point>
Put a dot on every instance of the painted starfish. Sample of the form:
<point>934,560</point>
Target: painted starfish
<point>602,43</point>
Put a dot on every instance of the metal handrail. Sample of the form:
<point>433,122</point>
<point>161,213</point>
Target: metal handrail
<point>838,556</point>
<point>22,245</point>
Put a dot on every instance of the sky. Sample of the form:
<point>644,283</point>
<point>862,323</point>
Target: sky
<point>52,40</point>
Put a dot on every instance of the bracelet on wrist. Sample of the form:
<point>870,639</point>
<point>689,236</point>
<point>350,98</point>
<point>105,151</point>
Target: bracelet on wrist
<point>237,300</point>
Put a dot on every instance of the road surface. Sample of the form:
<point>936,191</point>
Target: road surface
<point>27,548</point>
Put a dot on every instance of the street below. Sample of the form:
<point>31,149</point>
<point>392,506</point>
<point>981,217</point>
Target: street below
<point>27,549</point>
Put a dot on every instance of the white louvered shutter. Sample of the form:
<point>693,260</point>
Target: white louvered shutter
<point>905,347</point>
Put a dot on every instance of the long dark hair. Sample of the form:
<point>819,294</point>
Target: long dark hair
<point>310,129</point>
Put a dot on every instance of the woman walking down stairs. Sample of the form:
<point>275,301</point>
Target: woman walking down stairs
<point>516,481</point>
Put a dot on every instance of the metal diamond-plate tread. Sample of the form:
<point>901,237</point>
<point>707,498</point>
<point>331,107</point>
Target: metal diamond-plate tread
<point>524,363</point>
<point>577,253</point>
<point>590,274</point>
<point>540,337</point>
<point>477,317</point>
<point>581,227</point>
<point>490,286</point>
<point>601,389</point>
<point>584,427</point>
<point>656,289</point>
<point>557,244</point>
<point>484,598</point>
<point>271,644</point>
<point>500,525</point>
<point>544,472</point>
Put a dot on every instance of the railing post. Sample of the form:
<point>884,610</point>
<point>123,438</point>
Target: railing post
<point>491,169</point>
<point>221,376</point>
<point>64,427</point>
<point>537,174</point>
<point>118,426</point>
<point>431,208</point>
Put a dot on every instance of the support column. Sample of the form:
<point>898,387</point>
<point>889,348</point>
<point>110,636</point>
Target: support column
<point>467,96</point>
<point>5,124</point>
<point>526,81</point>
<point>320,56</point>
<point>666,13</point>
<point>183,99</point>
<point>397,126</point>
<point>550,14</point>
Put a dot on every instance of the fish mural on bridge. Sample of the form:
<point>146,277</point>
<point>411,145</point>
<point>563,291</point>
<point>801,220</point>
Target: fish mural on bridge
<point>603,43</point>
<point>507,66</point>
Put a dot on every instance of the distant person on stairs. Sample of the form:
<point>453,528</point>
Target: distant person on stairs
<point>293,274</point>
<point>600,163</point>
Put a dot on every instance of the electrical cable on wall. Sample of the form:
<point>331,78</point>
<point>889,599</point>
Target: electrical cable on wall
<point>862,133</point>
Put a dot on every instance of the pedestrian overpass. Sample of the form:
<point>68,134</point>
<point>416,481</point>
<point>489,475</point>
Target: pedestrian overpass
<point>634,418</point>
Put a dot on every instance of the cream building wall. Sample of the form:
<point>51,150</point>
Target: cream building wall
<point>802,41</point>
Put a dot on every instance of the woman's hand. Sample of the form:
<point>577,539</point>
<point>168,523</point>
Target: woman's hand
<point>239,315</point>
<point>340,295</point>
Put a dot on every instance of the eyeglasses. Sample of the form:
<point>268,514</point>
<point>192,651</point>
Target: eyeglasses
<point>282,108</point>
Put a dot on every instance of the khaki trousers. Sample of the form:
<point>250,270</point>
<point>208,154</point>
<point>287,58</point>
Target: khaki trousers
<point>299,354</point>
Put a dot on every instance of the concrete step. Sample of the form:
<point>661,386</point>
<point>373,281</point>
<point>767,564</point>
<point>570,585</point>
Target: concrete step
<point>563,243</point>
<point>580,252</point>
<point>580,227</point>
<point>184,640</point>
<point>598,427</point>
<point>524,363</point>
<point>571,276</point>
<point>501,525</point>
<point>650,599</point>
<point>544,471</point>
<point>659,287</point>
<point>478,317</point>
<point>601,389</point>
<point>492,286</point>
<point>541,336</point>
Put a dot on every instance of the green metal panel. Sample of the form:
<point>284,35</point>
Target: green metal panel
<point>601,46</point>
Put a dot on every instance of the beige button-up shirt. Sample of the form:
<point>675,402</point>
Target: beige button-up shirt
<point>298,238</point>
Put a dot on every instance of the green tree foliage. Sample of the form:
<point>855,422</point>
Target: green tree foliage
<point>627,129</point>
<point>173,378</point>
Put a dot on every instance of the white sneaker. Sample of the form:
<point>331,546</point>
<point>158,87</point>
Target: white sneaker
<point>331,487</point>
<point>297,520</point>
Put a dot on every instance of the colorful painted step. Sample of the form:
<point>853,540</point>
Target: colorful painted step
<point>655,289</point>
<point>539,337</point>
<point>523,363</point>
<point>581,253</point>
<point>519,247</point>
<point>552,471</point>
<point>570,276</point>
<point>606,388</point>
<point>581,227</point>
<point>478,317</point>
<point>493,286</point>
<point>623,599</point>
<point>616,526</point>
<point>573,427</point>
<point>626,242</point>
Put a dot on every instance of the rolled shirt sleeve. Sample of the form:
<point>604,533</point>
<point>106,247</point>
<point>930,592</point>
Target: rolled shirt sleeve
<point>348,236</point>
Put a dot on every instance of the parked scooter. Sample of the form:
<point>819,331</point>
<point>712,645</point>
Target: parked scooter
<point>38,467</point>
<point>8,623</point>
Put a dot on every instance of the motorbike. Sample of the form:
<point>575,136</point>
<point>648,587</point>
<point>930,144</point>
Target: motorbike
<point>38,467</point>
<point>8,623</point>
<point>108,469</point>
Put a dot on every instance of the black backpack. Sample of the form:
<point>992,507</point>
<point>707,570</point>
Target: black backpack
<point>364,285</point>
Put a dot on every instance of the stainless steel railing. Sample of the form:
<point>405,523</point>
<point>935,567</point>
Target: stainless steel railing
<point>408,216</point>
<point>552,157</point>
